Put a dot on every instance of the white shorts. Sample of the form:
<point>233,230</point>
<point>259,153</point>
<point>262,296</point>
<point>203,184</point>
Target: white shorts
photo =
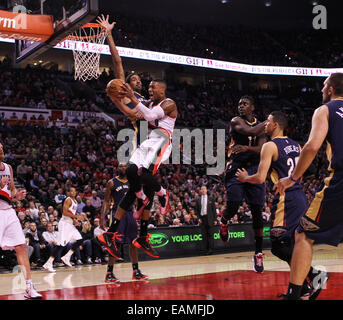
<point>11,232</point>
<point>156,149</point>
<point>67,232</point>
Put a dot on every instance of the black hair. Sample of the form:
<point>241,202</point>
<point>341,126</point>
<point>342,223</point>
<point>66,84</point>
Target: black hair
<point>336,81</point>
<point>280,118</point>
<point>250,98</point>
<point>128,78</point>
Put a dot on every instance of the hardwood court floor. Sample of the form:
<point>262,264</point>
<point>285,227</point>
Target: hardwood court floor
<point>219,277</point>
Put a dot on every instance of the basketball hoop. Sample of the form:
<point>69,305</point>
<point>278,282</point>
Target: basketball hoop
<point>86,53</point>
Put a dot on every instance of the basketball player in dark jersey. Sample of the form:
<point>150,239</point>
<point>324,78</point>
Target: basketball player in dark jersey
<point>323,219</point>
<point>116,189</point>
<point>280,155</point>
<point>133,79</point>
<point>247,138</point>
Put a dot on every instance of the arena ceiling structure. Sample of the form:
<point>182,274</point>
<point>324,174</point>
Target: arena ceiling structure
<point>266,14</point>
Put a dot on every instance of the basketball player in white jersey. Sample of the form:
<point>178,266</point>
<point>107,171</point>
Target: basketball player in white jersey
<point>67,232</point>
<point>161,114</point>
<point>11,233</point>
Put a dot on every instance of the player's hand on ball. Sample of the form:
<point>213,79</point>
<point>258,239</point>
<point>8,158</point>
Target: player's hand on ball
<point>241,175</point>
<point>127,91</point>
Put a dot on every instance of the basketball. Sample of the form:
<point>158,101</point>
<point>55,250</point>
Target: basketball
<point>114,88</point>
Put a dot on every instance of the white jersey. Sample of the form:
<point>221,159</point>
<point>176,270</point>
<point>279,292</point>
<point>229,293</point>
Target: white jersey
<point>5,188</point>
<point>165,123</point>
<point>71,209</point>
<point>66,230</point>
<point>156,148</point>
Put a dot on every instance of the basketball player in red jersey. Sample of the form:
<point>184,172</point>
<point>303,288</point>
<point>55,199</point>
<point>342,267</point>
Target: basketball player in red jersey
<point>11,233</point>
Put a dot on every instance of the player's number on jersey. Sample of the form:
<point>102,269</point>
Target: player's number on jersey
<point>292,162</point>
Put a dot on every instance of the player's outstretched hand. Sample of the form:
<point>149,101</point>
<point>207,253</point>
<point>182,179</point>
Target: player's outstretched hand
<point>105,23</point>
<point>241,175</point>
<point>282,185</point>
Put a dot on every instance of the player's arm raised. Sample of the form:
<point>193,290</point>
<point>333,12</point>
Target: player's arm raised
<point>106,204</point>
<point>269,150</point>
<point>238,124</point>
<point>116,59</point>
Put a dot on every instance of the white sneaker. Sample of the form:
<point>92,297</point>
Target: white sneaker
<point>89,261</point>
<point>66,261</point>
<point>97,261</point>
<point>31,292</point>
<point>49,267</point>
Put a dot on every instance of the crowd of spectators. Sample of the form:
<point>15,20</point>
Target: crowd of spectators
<point>47,159</point>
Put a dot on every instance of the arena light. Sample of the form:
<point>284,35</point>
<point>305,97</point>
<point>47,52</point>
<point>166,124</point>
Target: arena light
<point>268,3</point>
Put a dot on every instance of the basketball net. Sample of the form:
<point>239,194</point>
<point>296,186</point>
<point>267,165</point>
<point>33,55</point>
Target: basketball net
<point>90,37</point>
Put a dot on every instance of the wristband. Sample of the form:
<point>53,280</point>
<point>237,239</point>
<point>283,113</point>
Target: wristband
<point>292,179</point>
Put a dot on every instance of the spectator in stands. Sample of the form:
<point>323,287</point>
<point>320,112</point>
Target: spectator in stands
<point>33,211</point>
<point>87,235</point>
<point>38,243</point>
<point>80,204</point>
<point>89,210</point>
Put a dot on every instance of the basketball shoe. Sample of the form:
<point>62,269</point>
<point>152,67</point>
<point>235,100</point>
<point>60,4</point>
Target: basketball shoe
<point>109,241</point>
<point>164,201</point>
<point>258,262</point>
<point>142,242</point>
<point>110,278</point>
<point>31,292</point>
<point>138,275</point>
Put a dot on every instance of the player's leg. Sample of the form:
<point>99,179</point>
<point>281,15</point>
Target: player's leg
<point>75,245</point>
<point>142,241</point>
<point>24,262</point>
<point>136,273</point>
<point>48,265</point>
<point>110,277</point>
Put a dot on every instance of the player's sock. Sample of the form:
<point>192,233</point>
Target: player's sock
<point>144,228</point>
<point>258,244</point>
<point>50,260</point>
<point>135,266</point>
<point>110,268</point>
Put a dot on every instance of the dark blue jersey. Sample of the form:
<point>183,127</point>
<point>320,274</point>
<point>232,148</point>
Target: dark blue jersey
<point>289,152</point>
<point>136,124</point>
<point>119,190</point>
<point>243,158</point>
<point>334,150</point>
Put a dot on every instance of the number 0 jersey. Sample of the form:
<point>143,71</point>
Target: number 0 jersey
<point>289,152</point>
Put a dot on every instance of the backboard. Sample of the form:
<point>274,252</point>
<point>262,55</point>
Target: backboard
<point>68,15</point>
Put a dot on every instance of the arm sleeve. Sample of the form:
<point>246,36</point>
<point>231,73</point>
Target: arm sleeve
<point>150,114</point>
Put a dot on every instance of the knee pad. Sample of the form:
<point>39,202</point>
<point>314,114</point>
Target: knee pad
<point>231,209</point>
<point>283,249</point>
<point>257,220</point>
